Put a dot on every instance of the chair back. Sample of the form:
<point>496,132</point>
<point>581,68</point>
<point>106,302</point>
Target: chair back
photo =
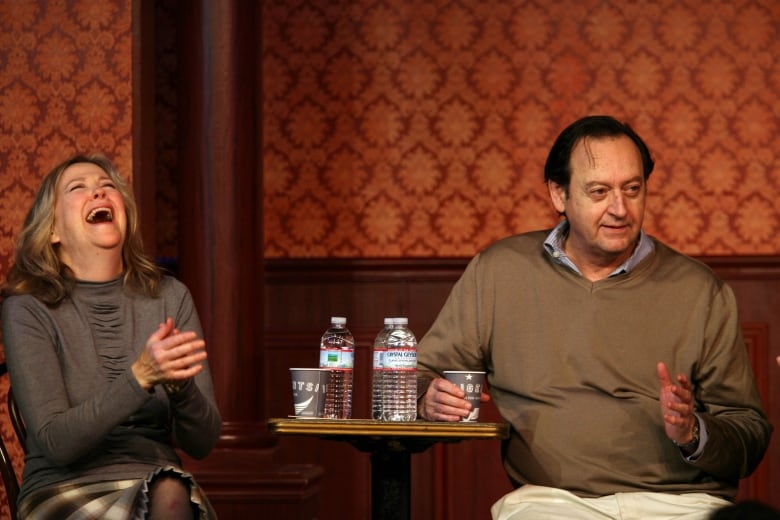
<point>16,420</point>
<point>6,464</point>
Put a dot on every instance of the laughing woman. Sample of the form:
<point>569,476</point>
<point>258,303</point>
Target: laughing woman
<point>106,359</point>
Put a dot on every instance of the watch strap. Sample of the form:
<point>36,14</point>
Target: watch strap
<point>694,443</point>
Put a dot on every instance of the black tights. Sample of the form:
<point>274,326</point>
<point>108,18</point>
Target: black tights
<point>169,499</point>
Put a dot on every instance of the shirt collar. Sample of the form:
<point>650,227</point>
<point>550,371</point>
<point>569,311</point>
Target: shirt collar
<point>553,244</point>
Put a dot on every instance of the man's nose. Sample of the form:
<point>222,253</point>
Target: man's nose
<point>617,204</point>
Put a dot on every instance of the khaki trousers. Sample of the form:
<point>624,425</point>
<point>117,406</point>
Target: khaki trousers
<point>545,503</point>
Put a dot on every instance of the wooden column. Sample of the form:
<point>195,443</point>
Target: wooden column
<point>221,201</point>
<point>221,260</point>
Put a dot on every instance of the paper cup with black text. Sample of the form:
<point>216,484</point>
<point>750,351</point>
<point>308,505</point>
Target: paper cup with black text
<point>309,386</point>
<point>472,382</point>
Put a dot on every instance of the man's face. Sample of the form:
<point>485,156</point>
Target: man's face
<point>605,203</point>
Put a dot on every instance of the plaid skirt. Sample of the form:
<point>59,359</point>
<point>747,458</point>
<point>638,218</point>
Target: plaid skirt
<point>107,500</point>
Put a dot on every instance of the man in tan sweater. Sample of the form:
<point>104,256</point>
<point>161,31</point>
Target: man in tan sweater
<point>580,329</point>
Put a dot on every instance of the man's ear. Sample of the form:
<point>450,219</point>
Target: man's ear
<point>558,196</point>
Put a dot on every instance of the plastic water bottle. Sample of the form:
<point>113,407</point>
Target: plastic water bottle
<point>399,377</point>
<point>337,352</point>
<point>380,347</point>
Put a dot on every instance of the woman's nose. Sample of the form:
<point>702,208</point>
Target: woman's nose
<point>98,193</point>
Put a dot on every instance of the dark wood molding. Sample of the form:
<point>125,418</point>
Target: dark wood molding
<point>238,435</point>
<point>363,269</point>
<point>744,267</point>
<point>420,269</point>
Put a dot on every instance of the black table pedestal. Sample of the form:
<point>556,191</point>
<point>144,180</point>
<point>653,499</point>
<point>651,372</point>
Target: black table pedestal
<point>391,486</point>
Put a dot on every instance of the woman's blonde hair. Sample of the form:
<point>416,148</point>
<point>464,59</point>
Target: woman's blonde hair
<point>37,269</point>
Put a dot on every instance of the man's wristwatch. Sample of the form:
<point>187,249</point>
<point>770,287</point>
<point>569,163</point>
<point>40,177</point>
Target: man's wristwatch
<point>694,443</point>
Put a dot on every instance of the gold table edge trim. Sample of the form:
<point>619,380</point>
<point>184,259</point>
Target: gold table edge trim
<point>370,428</point>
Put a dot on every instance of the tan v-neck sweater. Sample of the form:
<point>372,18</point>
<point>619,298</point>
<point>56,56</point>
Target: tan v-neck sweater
<point>571,366</point>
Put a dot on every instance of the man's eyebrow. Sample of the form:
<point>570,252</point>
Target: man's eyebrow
<point>638,178</point>
<point>591,184</point>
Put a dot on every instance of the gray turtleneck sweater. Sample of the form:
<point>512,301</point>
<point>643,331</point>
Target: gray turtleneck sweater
<point>87,417</point>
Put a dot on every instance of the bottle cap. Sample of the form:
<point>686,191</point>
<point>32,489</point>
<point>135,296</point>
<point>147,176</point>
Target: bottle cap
<point>338,320</point>
<point>389,321</point>
<point>402,321</point>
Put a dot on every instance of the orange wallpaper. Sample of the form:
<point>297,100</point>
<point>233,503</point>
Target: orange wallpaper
<point>419,128</point>
<point>409,128</point>
<point>65,87</point>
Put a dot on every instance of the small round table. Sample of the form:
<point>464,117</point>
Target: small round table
<point>391,445</point>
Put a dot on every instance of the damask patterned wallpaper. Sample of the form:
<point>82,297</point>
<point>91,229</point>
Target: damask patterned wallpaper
<point>419,127</point>
<point>411,128</point>
<point>65,88</point>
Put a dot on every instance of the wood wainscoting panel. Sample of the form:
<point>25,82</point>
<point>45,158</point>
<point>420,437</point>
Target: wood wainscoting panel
<point>242,477</point>
<point>455,481</point>
<point>757,343</point>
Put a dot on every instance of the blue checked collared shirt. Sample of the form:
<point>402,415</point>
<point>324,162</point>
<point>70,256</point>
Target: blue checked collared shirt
<point>554,246</point>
